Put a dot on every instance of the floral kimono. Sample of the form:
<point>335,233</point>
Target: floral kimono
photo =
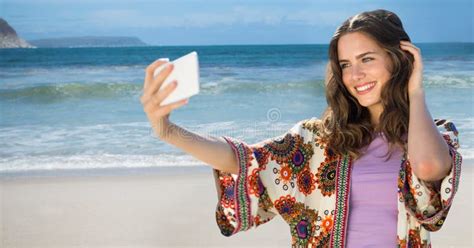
<point>297,177</point>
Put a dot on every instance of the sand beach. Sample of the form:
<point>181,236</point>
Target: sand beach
<point>171,207</point>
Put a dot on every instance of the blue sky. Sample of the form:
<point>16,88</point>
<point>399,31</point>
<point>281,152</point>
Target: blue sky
<point>209,22</point>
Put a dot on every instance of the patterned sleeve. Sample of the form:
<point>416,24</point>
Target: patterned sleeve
<point>429,203</point>
<point>245,200</point>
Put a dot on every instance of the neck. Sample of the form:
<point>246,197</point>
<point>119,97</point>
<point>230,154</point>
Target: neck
<point>375,112</point>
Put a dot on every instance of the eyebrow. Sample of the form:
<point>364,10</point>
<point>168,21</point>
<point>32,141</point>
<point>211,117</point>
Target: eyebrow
<point>357,57</point>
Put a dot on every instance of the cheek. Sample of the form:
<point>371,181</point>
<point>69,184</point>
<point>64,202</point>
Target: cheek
<point>349,88</point>
<point>346,79</point>
<point>388,74</point>
<point>383,72</point>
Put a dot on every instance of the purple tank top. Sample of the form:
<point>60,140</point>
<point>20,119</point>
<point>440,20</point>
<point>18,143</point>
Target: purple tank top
<point>373,200</point>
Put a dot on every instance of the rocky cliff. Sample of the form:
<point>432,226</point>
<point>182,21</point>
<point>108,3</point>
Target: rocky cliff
<point>9,38</point>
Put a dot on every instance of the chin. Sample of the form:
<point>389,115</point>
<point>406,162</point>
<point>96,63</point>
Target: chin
<point>367,105</point>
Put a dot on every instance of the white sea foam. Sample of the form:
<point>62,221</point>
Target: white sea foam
<point>93,146</point>
<point>451,80</point>
<point>133,145</point>
<point>48,162</point>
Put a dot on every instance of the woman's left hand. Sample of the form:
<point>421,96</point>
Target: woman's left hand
<point>415,83</point>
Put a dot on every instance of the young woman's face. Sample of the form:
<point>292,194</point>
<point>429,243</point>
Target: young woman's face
<point>365,69</point>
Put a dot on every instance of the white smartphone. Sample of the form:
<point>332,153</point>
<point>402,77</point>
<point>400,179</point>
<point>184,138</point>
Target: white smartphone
<point>186,72</point>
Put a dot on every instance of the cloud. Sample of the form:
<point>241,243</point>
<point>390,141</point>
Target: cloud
<point>319,18</point>
<point>237,15</point>
<point>250,19</point>
<point>145,14</point>
<point>140,19</point>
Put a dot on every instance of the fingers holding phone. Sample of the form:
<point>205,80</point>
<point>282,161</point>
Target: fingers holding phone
<point>168,86</point>
<point>186,72</point>
<point>162,73</point>
<point>153,96</point>
<point>152,83</point>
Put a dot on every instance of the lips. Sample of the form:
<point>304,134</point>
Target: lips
<point>365,88</point>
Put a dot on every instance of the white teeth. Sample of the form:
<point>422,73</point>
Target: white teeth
<point>365,87</point>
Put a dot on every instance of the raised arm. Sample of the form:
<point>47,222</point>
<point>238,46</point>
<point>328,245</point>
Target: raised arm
<point>213,151</point>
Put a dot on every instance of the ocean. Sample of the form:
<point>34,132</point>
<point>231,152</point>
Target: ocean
<point>78,109</point>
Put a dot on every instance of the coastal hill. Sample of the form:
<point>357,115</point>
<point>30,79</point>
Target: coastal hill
<point>9,38</point>
<point>89,41</point>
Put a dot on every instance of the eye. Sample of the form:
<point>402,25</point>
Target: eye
<point>343,65</point>
<point>367,59</point>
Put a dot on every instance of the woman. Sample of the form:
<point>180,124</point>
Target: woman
<point>373,171</point>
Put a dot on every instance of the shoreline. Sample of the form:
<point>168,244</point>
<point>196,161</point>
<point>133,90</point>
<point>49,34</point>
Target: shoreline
<point>104,172</point>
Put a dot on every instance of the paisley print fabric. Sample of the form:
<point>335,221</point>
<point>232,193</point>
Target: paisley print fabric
<point>298,178</point>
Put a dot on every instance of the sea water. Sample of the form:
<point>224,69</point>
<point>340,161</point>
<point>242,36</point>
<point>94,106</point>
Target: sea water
<point>79,108</point>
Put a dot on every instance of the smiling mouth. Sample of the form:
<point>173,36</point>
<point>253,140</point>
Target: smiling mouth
<point>365,88</point>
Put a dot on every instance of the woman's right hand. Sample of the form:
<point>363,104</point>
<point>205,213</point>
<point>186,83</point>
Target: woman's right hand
<point>152,97</point>
<point>203,148</point>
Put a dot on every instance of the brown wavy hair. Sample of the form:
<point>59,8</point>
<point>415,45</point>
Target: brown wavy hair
<point>346,125</point>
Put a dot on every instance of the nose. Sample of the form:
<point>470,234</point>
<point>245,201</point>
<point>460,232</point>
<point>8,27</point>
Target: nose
<point>357,73</point>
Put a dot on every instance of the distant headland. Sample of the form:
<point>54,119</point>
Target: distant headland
<point>89,41</point>
<point>10,39</point>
